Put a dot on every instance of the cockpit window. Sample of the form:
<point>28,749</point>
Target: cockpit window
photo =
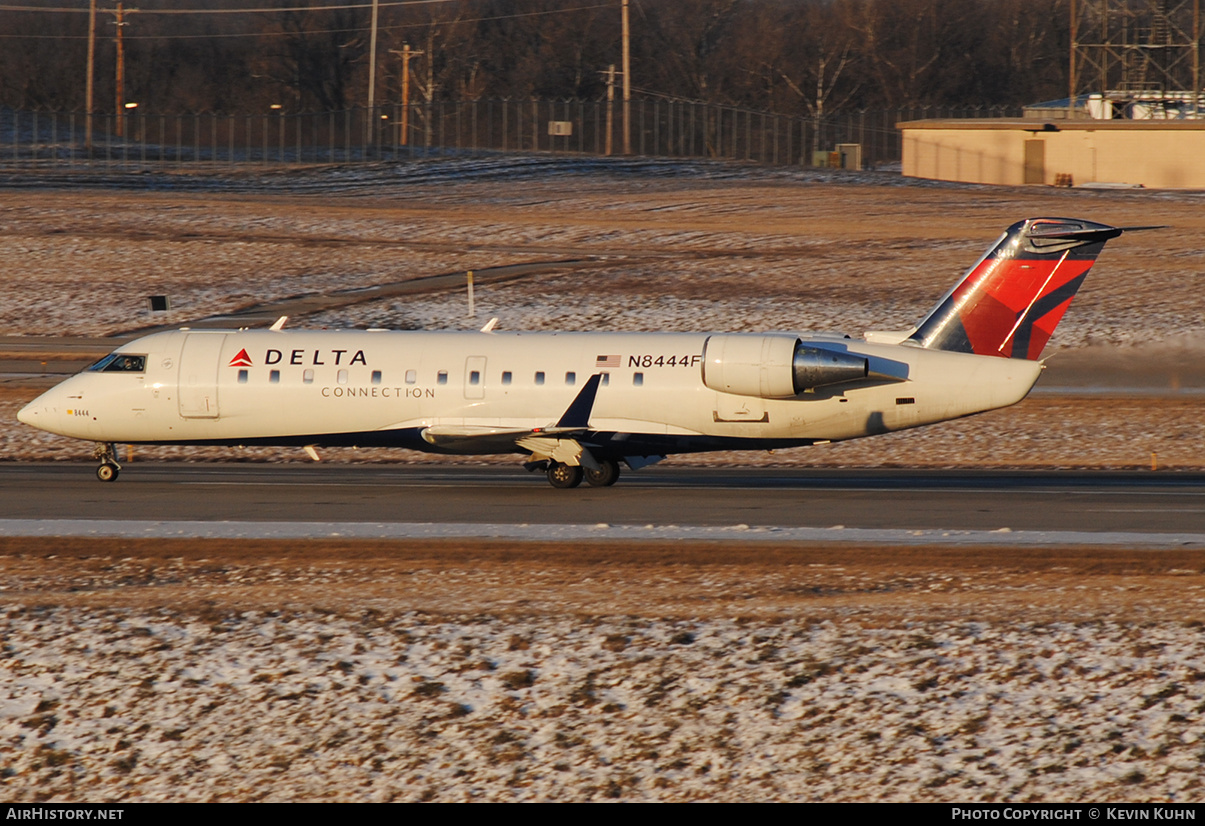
<point>120,363</point>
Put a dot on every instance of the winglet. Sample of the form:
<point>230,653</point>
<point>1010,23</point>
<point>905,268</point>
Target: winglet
<point>279,324</point>
<point>578,413</point>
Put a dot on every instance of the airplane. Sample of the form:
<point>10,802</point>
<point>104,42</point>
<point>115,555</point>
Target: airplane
<point>578,405</point>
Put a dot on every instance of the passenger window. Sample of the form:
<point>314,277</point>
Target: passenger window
<point>571,378</point>
<point>474,377</point>
<point>376,376</point>
<point>638,379</point>
<point>506,377</point>
<point>307,376</point>
<point>411,376</point>
<point>274,377</point>
<point>540,377</point>
<point>341,377</point>
<point>242,376</point>
<point>442,377</point>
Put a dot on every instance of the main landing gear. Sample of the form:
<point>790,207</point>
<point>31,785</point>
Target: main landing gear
<point>570,476</point>
<point>109,468</point>
<point>606,475</point>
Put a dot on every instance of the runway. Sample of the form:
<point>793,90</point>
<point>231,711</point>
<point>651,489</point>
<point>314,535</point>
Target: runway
<point>1141,508</point>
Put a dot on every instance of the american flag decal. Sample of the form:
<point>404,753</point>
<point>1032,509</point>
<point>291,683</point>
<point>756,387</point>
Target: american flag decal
<point>608,361</point>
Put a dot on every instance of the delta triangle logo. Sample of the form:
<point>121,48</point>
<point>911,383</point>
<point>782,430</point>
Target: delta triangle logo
<point>241,360</point>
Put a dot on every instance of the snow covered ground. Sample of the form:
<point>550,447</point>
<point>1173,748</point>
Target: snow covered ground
<point>138,706</point>
<point>695,246</point>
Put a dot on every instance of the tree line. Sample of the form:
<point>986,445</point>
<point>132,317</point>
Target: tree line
<point>795,57</point>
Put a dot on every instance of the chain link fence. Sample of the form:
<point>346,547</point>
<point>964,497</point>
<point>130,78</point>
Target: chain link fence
<point>659,128</point>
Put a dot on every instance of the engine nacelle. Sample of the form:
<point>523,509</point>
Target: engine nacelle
<point>775,366</point>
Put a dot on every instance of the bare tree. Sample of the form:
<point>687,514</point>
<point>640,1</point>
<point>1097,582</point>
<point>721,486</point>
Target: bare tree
<point>795,56</point>
<point>815,67</point>
<point>314,55</point>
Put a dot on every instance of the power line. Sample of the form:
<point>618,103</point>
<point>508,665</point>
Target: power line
<point>68,10</point>
<point>397,26</point>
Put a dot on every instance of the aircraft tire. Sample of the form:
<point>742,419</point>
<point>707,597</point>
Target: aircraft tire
<point>564,476</point>
<point>605,476</point>
<point>106,472</point>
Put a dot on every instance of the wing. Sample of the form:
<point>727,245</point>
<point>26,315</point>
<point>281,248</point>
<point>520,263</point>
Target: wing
<point>557,442</point>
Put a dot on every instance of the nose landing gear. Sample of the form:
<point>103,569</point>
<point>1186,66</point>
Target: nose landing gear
<point>109,468</point>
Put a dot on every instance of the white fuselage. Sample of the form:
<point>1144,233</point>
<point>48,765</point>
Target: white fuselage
<point>406,388</point>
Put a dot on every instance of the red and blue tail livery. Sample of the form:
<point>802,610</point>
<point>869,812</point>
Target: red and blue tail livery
<point>1009,303</point>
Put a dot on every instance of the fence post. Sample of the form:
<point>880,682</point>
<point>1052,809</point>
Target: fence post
<point>694,128</point>
<point>748,135</point>
<point>717,151</point>
<point>581,126</point>
<point>672,146</point>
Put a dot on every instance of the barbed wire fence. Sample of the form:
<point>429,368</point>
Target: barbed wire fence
<point>660,128</point>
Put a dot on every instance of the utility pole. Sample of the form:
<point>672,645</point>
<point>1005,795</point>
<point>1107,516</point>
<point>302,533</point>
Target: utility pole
<point>1196,58</point>
<point>121,72</point>
<point>610,105</point>
<point>430,91</point>
<point>372,78</point>
<point>1071,78</point>
<point>91,63</point>
<point>406,55</point>
<point>627,85</point>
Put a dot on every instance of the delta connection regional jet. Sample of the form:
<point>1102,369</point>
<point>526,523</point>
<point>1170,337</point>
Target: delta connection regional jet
<point>579,405</point>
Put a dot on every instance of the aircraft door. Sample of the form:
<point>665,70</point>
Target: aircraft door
<point>474,377</point>
<point>199,363</point>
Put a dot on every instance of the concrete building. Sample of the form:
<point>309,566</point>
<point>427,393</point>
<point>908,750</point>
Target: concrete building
<point>1151,153</point>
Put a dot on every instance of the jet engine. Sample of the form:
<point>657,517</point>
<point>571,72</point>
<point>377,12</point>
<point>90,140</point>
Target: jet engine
<point>775,366</point>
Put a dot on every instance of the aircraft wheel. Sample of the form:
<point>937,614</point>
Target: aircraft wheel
<point>606,475</point>
<point>106,472</point>
<point>564,476</point>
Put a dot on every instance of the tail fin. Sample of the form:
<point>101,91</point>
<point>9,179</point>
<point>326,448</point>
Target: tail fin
<point>1009,303</point>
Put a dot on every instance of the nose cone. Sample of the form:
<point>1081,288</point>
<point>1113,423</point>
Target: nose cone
<point>42,412</point>
<point>29,413</point>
